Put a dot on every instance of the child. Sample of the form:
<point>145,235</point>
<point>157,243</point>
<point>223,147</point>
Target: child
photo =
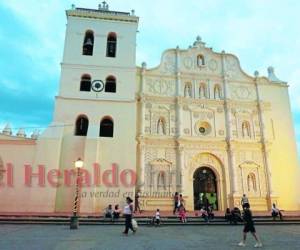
<point>182,214</point>
<point>249,226</point>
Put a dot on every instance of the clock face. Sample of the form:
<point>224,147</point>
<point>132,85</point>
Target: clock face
<point>97,85</point>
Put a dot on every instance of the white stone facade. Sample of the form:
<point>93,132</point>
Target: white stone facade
<point>196,110</point>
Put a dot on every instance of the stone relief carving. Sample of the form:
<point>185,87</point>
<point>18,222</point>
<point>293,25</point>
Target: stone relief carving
<point>161,86</point>
<point>213,65</point>
<point>220,110</point>
<point>188,62</point>
<point>169,64</point>
<point>186,131</point>
<point>221,132</point>
<point>242,92</point>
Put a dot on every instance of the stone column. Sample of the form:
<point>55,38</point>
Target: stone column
<point>142,118</point>
<point>230,152</point>
<point>179,94</point>
<point>271,195</point>
<point>141,177</point>
<point>142,99</point>
<point>180,175</point>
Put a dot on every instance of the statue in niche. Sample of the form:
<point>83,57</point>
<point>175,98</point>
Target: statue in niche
<point>187,90</point>
<point>217,92</point>
<point>202,91</point>
<point>251,183</point>
<point>161,180</point>
<point>161,129</point>
<point>246,129</point>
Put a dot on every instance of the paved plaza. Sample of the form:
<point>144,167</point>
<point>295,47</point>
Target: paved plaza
<point>45,237</point>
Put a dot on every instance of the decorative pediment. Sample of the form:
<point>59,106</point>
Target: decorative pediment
<point>160,161</point>
<point>249,164</point>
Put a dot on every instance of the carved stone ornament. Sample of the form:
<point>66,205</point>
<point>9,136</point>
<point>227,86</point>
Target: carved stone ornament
<point>196,115</point>
<point>185,107</point>
<point>220,110</point>
<point>186,131</point>
<point>221,132</point>
<point>213,65</point>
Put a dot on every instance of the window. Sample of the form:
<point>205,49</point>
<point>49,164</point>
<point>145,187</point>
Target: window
<point>111,47</point>
<point>202,90</point>
<point>200,60</point>
<point>85,83</point>
<point>161,126</point>
<point>217,91</point>
<point>110,84</point>
<point>246,132</point>
<point>188,90</point>
<point>82,124</point>
<point>88,43</point>
<point>106,127</point>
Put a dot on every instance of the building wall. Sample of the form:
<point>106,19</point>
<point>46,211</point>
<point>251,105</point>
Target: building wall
<point>168,122</point>
<point>242,157</point>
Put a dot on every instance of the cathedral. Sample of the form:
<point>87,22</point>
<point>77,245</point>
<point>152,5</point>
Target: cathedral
<point>196,124</point>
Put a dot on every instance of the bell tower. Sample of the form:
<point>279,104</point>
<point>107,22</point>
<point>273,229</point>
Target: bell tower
<point>96,101</point>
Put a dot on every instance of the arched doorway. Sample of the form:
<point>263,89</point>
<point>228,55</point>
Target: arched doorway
<point>205,188</point>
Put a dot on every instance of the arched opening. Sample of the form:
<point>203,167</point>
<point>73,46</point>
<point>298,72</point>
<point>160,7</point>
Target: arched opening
<point>202,90</point>
<point>217,91</point>
<point>205,188</point>
<point>111,47</point>
<point>246,132</point>
<point>82,125</point>
<point>200,60</point>
<point>85,83</point>
<point>88,43</point>
<point>106,127</point>
<point>110,84</point>
<point>161,126</point>
<point>188,90</point>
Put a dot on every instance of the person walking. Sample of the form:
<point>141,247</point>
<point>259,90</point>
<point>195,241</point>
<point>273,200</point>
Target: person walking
<point>249,227</point>
<point>245,201</point>
<point>176,199</point>
<point>128,211</point>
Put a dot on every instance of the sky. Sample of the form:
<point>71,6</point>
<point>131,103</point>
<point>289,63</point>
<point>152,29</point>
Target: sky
<point>260,32</point>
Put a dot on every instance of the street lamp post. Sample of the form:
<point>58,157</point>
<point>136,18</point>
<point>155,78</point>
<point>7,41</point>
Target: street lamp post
<point>74,218</point>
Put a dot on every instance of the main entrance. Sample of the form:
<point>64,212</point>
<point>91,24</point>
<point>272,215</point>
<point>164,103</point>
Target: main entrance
<point>205,188</point>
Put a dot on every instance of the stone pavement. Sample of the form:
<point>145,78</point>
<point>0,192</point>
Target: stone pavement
<point>46,237</point>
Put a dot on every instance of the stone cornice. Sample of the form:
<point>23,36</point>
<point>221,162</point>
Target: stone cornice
<point>102,15</point>
<point>95,99</point>
<point>158,99</point>
<point>198,101</point>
